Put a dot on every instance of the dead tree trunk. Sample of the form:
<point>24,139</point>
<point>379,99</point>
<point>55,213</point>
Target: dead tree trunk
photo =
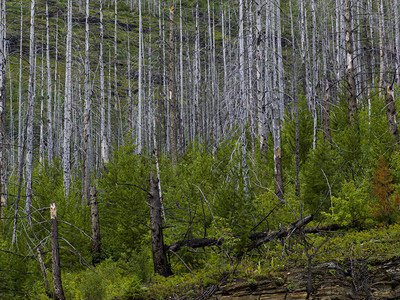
<point>94,211</point>
<point>44,273</point>
<point>350,77</point>
<point>391,113</point>
<point>161,265</point>
<point>58,289</point>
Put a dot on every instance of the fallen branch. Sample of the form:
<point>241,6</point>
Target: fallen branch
<point>263,237</point>
<point>195,243</point>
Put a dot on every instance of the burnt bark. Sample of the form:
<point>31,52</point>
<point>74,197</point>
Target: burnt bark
<point>257,238</point>
<point>161,264</point>
<point>391,113</point>
<point>350,77</point>
<point>57,283</point>
<point>326,117</point>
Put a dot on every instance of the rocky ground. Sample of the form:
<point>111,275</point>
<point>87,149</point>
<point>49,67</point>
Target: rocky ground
<point>379,279</point>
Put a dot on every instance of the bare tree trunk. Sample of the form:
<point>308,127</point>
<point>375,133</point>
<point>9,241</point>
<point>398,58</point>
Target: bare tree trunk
<point>20,108</point>
<point>172,98</point>
<point>397,39</point>
<point>350,78</point>
<point>44,273</point>
<point>260,95</point>
<point>68,104</point>
<point>276,129</point>
<point>140,80</point>
<point>50,150</point>
<point>116,132</point>
<point>3,166</point>
<point>161,265</point>
<point>382,67</point>
<point>94,211</point>
<point>130,100</point>
<point>31,101</point>
<point>391,113</point>
<point>243,98</point>
<point>57,283</point>
<point>103,131</point>
<point>87,115</point>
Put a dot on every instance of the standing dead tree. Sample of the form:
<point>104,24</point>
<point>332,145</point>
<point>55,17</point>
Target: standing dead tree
<point>58,288</point>
<point>161,265</point>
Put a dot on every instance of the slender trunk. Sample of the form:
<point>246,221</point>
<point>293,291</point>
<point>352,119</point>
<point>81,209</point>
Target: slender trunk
<point>57,283</point>
<point>182,123</point>
<point>116,132</point>
<point>50,150</point>
<point>382,67</point>
<point>31,101</point>
<point>276,116</point>
<point>20,108</point>
<point>397,39</point>
<point>87,115</point>
<point>172,97</point>
<point>140,89</point>
<point>243,99</point>
<point>259,76</point>
<point>41,130</point>
<point>350,78</point>
<point>68,104</point>
<point>297,113</point>
<point>391,113</point>
<point>3,199</point>
<point>161,265</point>
<point>130,102</point>
<point>103,132</point>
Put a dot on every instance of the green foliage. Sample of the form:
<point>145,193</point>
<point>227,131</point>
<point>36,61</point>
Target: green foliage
<point>351,207</point>
<point>305,134</point>
<point>122,202</point>
<point>108,280</point>
<point>320,176</point>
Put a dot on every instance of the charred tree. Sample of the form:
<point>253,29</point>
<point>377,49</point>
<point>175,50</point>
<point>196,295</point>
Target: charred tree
<point>391,112</point>
<point>161,265</point>
<point>350,77</point>
<point>172,97</point>
<point>57,284</point>
<point>94,212</point>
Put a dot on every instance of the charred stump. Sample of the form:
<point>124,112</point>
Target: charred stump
<point>161,265</point>
<point>58,289</point>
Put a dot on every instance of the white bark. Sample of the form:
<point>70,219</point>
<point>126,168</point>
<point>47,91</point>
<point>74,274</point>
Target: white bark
<point>3,165</point>
<point>68,103</point>
<point>140,89</point>
<point>103,132</point>
<point>87,115</point>
<point>49,92</point>
<point>31,101</point>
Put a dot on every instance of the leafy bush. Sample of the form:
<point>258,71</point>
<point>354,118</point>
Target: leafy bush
<point>351,206</point>
<point>108,280</point>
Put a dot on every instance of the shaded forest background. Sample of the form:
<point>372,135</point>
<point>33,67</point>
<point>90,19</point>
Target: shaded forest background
<point>250,114</point>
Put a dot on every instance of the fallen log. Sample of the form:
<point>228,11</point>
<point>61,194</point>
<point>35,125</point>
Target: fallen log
<point>258,238</point>
<point>263,237</point>
<point>195,243</point>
